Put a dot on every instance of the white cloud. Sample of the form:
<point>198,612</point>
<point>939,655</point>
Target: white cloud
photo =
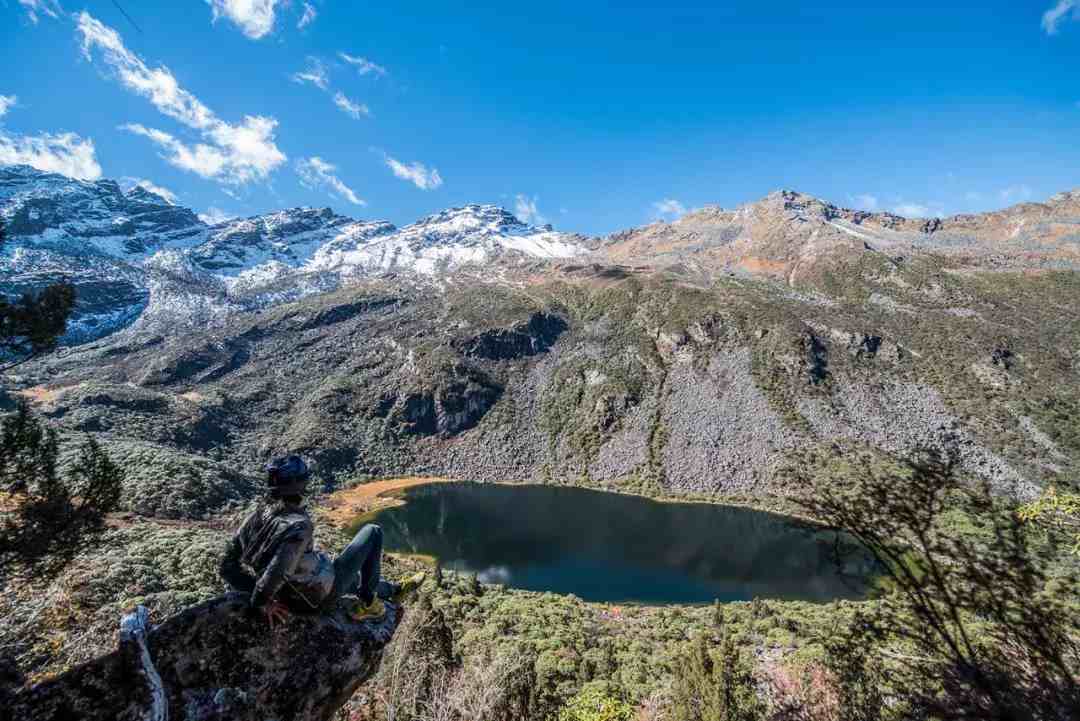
<point>1015,193</point>
<point>866,202</point>
<point>1062,10</point>
<point>349,107</point>
<point>416,173</point>
<point>255,18</point>
<point>213,216</point>
<point>231,154</point>
<point>918,210</point>
<point>526,211</point>
<point>315,172</point>
<point>314,73</point>
<point>64,153</point>
<point>668,208</point>
<point>911,210</point>
<point>204,160</point>
<point>308,17</point>
<point>363,65</point>
<point>130,183</point>
<point>45,7</point>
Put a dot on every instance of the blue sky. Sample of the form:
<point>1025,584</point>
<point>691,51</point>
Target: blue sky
<point>590,117</point>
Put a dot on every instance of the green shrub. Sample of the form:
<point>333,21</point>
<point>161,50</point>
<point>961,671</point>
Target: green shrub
<point>593,704</point>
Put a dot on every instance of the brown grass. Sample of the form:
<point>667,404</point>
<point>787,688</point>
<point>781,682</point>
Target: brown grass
<point>42,394</point>
<point>344,506</point>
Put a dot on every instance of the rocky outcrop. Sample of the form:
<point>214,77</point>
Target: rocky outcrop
<point>449,409</point>
<point>534,336</point>
<point>212,662</point>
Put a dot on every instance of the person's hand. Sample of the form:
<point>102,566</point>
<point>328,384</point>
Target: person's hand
<point>276,613</point>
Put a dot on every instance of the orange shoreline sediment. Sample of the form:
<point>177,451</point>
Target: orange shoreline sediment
<point>344,506</point>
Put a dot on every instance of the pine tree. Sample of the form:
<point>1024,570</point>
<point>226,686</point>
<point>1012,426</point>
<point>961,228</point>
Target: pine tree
<point>707,689</point>
<point>49,526</point>
<point>97,481</point>
<point>32,324</point>
<point>28,453</point>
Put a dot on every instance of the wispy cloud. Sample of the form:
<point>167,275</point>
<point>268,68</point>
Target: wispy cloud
<point>911,210</point>
<point>919,210</point>
<point>315,173</point>
<point>213,216</point>
<point>363,65</point>
<point>7,102</point>
<point>255,18</point>
<point>1015,193</point>
<point>233,154</point>
<point>866,202</point>
<point>64,153</point>
<point>349,107</point>
<point>1061,11</point>
<point>307,17</point>
<point>416,173</point>
<point>526,210</point>
<point>314,73</point>
<point>167,195</point>
<point>34,8</point>
<point>668,208</point>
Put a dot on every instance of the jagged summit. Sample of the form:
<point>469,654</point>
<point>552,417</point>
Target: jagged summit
<point>287,236</point>
<point>133,254</point>
<point>50,210</point>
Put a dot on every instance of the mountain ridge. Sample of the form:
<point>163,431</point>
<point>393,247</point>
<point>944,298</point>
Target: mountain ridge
<point>142,263</point>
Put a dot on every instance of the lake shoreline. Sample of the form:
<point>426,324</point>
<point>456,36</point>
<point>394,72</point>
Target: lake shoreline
<point>567,540</point>
<point>346,506</point>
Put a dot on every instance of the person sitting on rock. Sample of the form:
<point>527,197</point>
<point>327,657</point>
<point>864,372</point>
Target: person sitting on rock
<point>273,557</point>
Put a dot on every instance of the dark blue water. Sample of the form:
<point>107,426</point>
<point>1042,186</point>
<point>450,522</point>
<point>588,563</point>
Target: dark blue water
<point>609,547</point>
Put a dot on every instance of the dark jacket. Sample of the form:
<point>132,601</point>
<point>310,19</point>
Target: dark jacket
<point>273,556</point>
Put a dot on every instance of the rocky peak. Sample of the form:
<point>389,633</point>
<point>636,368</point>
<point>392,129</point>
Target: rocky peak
<point>287,236</point>
<point>46,209</point>
<point>468,225</point>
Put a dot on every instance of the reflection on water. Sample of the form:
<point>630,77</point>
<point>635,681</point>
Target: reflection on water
<point>608,547</point>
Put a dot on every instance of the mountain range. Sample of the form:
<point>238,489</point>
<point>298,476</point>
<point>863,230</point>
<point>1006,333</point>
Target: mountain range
<point>700,357</point>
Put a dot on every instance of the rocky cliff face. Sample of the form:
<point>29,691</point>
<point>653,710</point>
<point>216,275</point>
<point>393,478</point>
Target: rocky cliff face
<point>213,662</point>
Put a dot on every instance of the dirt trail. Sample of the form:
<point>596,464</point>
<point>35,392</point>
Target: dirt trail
<point>343,507</point>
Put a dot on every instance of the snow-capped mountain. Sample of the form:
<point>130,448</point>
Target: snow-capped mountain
<point>50,211</point>
<point>136,258</point>
<point>458,236</point>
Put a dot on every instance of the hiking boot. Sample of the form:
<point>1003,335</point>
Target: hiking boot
<point>369,612</point>
<point>406,587</point>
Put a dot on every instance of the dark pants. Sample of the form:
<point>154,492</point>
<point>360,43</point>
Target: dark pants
<point>358,568</point>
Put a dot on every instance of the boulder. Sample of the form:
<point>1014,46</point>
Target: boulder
<point>214,661</point>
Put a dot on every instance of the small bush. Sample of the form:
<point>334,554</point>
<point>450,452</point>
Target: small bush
<point>593,704</point>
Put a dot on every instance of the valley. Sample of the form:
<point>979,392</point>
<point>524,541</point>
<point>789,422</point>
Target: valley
<point>723,357</point>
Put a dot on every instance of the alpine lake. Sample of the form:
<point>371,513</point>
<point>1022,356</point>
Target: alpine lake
<point>610,547</point>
